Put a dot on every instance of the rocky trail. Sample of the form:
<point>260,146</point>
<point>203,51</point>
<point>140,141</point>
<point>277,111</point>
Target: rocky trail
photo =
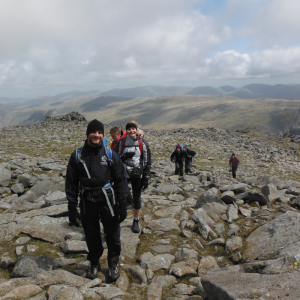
<point>204,235</point>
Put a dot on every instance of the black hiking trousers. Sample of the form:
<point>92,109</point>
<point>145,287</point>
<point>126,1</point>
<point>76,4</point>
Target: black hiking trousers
<point>188,167</point>
<point>179,167</point>
<point>136,185</point>
<point>234,172</point>
<point>90,222</point>
<point>129,198</point>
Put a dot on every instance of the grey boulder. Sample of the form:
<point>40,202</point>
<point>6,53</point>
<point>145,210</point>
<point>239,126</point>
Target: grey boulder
<point>29,266</point>
<point>5,176</point>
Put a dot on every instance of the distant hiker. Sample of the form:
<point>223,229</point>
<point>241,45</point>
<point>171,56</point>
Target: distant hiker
<point>116,134</point>
<point>178,157</point>
<point>234,164</point>
<point>90,172</point>
<point>188,159</point>
<point>136,155</point>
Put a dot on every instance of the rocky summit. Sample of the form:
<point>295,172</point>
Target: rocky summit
<point>204,235</point>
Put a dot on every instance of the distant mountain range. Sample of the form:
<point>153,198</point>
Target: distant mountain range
<point>251,91</point>
<point>268,107</point>
<point>60,97</point>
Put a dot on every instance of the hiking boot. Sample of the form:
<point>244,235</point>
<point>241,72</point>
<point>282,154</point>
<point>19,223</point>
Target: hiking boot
<point>114,273</point>
<point>136,226</point>
<point>95,268</point>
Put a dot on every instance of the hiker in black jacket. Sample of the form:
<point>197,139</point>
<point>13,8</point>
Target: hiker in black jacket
<point>188,159</point>
<point>178,157</point>
<point>88,174</point>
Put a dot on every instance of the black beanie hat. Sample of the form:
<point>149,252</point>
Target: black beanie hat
<point>129,125</point>
<point>233,154</point>
<point>94,126</point>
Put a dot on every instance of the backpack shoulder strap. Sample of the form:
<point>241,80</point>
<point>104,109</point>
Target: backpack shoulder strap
<point>140,141</point>
<point>123,142</point>
<point>108,151</point>
<point>78,154</point>
<point>78,159</point>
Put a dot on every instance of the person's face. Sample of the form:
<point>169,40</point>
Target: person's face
<point>95,138</point>
<point>178,149</point>
<point>115,136</point>
<point>131,132</point>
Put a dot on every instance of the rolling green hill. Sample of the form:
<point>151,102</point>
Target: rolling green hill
<point>169,111</point>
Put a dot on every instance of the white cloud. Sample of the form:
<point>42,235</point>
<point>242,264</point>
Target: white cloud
<point>105,44</point>
<point>229,64</point>
<point>266,63</point>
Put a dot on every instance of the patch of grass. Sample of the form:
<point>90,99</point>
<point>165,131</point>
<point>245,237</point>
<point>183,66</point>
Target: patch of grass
<point>146,241</point>
<point>44,248</point>
<point>167,293</point>
<point>5,274</point>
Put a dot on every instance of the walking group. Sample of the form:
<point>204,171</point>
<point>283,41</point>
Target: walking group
<point>98,177</point>
<point>100,174</point>
<point>182,155</point>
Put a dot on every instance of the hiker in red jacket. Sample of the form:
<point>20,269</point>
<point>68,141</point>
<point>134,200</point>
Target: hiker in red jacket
<point>234,164</point>
<point>116,133</point>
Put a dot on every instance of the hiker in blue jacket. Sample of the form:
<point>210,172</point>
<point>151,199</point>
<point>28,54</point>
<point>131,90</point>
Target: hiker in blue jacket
<point>90,172</point>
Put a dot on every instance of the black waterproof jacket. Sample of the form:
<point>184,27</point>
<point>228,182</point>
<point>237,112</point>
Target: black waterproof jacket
<point>100,171</point>
<point>178,155</point>
<point>189,155</point>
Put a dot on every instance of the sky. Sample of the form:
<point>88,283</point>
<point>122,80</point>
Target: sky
<point>54,46</point>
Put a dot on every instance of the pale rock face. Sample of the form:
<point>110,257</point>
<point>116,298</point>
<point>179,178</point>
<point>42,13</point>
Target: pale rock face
<point>5,176</point>
<point>206,264</point>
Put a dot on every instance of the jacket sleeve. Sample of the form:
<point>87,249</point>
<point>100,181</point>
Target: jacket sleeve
<point>120,180</point>
<point>147,159</point>
<point>116,148</point>
<point>173,155</point>
<point>192,153</point>
<point>72,180</point>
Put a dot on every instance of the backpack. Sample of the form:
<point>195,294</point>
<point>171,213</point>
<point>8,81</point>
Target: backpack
<point>107,186</point>
<point>139,141</point>
<point>136,171</point>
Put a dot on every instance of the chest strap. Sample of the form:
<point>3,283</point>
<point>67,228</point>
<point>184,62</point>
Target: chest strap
<point>105,187</point>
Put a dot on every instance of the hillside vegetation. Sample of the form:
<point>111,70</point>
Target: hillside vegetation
<point>269,108</point>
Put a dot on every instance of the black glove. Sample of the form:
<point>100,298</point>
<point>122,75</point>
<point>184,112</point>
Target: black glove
<point>172,160</point>
<point>145,184</point>
<point>73,214</point>
<point>122,214</point>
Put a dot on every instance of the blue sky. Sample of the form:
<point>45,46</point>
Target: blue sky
<point>210,7</point>
<point>48,47</point>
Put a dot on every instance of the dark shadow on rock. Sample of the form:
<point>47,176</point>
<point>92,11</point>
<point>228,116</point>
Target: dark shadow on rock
<point>228,199</point>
